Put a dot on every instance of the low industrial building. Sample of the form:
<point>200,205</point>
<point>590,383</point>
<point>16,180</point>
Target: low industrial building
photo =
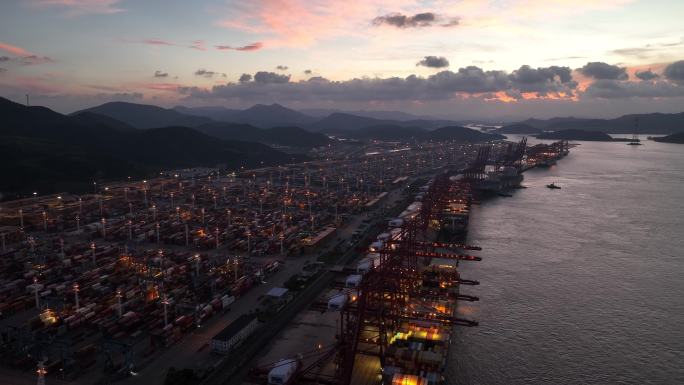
<point>234,334</point>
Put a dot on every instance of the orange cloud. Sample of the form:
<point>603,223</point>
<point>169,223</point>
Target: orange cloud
<point>300,23</point>
<point>25,57</point>
<point>14,50</point>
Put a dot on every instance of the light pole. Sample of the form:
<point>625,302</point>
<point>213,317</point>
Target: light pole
<point>35,292</point>
<point>118,299</point>
<point>187,235</point>
<point>92,248</point>
<point>76,290</point>
<point>165,302</point>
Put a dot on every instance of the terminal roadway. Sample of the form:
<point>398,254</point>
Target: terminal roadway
<point>233,372</point>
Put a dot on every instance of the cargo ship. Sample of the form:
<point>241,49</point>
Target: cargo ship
<point>500,179</point>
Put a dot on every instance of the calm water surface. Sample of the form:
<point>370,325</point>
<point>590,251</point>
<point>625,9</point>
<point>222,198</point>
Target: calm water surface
<point>583,285</point>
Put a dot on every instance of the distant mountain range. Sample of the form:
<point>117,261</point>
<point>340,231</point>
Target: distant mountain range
<point>259,115</point>
<point>334,122</point>
<point>656,123</point>
<point>46,151</point>
<point>400,133</point>
<point>340,122</point>
<point>145,116</point>
<point>575,134</point>
<point>280,136</point>
<point>383,115</point>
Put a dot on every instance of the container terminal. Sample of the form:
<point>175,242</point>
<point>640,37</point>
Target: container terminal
<point>195,272</point>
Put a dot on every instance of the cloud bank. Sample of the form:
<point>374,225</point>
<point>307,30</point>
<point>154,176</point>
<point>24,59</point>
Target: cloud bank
<point>524,83</point>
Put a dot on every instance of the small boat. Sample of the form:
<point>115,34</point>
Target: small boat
<point>553,186</point>
<point>506,195</point>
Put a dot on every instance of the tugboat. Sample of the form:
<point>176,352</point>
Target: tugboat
<point>553,186</point>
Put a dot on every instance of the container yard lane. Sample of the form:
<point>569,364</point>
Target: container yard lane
<point>194,351</point>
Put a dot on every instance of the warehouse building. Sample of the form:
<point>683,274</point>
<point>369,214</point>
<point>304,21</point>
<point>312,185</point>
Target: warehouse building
<point>234,334</point>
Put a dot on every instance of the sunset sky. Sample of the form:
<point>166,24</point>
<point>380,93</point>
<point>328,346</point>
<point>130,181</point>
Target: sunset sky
<point>458,59</point>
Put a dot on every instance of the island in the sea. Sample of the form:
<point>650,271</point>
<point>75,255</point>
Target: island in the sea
<point>576,134</point>
<point>518,128</point>
<point>674,138</point>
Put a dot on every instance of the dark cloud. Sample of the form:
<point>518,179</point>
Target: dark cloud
<point>245,78</point>
<point>675,71</point>
<point>470,79</point>
<point>543,80</point>
<point>281,68</point>
<point>250,47</point>
<point>34,59</point>
<point>425,19</point>
<point>160,74</point>
<point>434,62</point>
<point>205,73</point>
<point>600,70</point>
<point>157,42</point>
<point>439,86</point>
<point>308,72</point>
<point>615,89</point>
<point>270,77</point>
<point>646,75</point>
<point>26,60</point>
